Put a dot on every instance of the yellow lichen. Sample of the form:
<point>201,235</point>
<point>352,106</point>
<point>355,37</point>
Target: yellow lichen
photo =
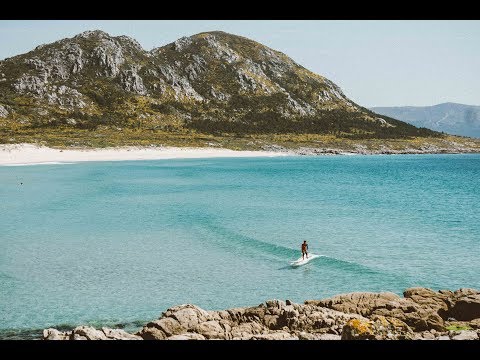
<point>361,327</point>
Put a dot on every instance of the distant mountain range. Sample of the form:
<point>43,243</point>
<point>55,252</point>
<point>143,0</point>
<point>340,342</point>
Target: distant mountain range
<point>452,118</point>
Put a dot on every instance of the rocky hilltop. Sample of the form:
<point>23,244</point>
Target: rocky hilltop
<point>210,81</point>
<point>420,314</point>
<point>209,89</point>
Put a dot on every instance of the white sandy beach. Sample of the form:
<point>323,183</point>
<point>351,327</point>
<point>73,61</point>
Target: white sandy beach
<point>28,154</point>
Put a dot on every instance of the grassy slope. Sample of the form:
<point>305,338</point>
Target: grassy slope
<point>67,137</point>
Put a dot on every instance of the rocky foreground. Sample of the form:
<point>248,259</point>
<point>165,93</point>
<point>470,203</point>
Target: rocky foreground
<point>422,314</point>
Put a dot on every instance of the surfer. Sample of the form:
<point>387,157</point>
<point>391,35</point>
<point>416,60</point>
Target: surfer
<point>304,249</point>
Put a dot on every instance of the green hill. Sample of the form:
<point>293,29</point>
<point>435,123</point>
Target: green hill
<point>98,90</point>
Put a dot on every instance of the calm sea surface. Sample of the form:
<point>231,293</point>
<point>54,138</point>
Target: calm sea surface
<point>117,243</point>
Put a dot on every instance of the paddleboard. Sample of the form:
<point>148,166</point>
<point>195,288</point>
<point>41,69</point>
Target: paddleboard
<point>304,261</point>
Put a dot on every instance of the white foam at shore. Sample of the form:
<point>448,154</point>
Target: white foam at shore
<point>29,154</point>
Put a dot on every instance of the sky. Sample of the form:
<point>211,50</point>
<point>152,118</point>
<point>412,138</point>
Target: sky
<point>376,63</point>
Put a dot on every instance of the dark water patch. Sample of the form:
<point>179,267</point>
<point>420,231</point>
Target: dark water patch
<point>37,334</point>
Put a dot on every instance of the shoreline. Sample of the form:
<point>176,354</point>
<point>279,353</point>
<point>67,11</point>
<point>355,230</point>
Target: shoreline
<point>30,154</point>
<point>421,314</point>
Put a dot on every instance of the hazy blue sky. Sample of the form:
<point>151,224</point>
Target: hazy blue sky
<point>376,63</point>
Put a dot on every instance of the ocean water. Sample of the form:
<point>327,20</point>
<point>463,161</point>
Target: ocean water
<point>117,243</point>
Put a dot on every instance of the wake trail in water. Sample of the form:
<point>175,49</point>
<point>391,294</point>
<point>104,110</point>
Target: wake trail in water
<point>248,246</point>
<point>244,245</point>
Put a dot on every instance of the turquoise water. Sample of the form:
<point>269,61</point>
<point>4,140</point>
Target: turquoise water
<point>111,243</point>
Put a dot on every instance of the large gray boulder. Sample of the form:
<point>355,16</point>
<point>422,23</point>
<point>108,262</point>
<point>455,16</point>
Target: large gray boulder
<point>211,330</point>
<point>187,336</point>
<point>119,334</point>
<point>187,315</point>
<point>54,334</point>
<point>90,333</point>
<point>247,330</point>
<point>151,333</point>
<point>362,303</point>
<point>419,317</point>
<point>466,335</point>
<point>428,299</point>
<point>168,325</point>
